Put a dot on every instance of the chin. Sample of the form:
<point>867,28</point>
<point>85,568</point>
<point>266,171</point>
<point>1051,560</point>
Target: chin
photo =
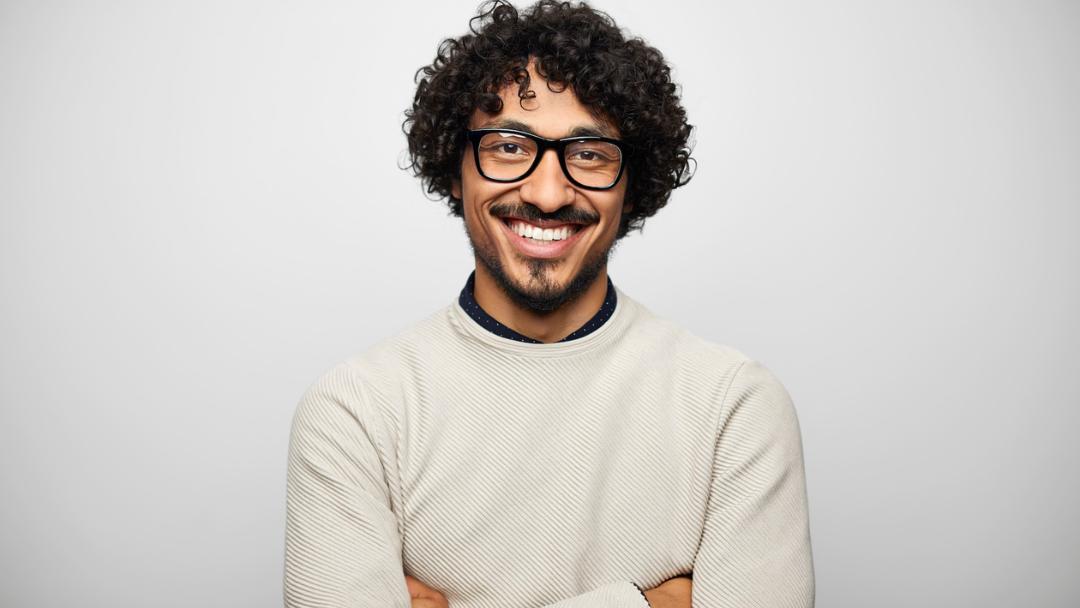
<point>541,288</point>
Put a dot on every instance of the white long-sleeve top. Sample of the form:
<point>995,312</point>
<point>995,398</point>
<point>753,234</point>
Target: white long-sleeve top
<point>508,474</point>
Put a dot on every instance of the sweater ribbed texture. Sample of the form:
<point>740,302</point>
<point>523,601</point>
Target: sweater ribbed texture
<point>507,474</point>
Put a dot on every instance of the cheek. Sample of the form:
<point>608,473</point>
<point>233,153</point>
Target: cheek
<point>470,186</point>
<point>478,193</point>
<point>617,204</point>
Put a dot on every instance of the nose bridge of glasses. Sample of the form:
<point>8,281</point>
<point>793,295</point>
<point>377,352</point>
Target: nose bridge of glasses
<point>552,150</point>
<point>540,151</point>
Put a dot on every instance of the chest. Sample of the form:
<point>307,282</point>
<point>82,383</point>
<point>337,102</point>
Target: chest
<point>551,487</point>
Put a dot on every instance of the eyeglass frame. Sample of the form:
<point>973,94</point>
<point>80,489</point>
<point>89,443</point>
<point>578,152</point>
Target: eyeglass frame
<point>543,144</point>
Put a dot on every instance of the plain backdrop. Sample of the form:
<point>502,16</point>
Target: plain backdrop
<point>201,211</point>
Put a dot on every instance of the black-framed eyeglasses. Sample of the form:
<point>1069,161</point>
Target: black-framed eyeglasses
<point>506,155</point>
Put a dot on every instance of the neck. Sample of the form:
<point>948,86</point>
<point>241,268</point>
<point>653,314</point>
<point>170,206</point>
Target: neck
<point>545,327</point>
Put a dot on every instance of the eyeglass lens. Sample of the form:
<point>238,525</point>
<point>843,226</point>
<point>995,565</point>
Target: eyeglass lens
<point>509,156</point>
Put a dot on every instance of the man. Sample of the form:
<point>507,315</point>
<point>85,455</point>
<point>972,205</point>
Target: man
<point>545,440</point>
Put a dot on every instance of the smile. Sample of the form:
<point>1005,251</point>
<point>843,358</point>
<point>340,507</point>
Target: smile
<point>536,233</point>
<point>533,241</point>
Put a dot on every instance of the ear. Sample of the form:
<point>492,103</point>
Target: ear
<point>455,188</point>
<point>627,207</point>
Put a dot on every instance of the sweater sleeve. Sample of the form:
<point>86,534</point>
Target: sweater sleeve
<point>342,546</point>
<point>755,549</point>
<point>613,595</point>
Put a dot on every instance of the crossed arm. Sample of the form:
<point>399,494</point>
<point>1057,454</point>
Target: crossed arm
<point>672,593</point>
<point>343,548</point>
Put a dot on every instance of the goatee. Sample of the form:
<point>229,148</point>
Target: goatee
<point>542,296</point>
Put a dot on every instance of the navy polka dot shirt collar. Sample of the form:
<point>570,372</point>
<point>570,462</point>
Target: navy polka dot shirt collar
<point>468,302</point>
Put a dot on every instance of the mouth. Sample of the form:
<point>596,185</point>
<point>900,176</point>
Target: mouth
<point>549,240</point>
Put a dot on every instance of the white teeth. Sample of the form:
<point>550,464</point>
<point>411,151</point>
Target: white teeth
<point>541,234</point>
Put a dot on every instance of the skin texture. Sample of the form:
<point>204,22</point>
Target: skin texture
<point>424,596</point>
<point>545,299</point>
<point>673,593</point>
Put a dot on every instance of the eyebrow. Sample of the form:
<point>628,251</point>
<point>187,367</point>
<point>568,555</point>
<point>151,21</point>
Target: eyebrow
<point>578,131</point>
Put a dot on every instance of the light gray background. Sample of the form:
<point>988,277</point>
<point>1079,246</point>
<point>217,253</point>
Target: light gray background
<point>202,212</point>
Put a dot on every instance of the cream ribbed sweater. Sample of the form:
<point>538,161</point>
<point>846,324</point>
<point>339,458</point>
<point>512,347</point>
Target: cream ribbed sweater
<point>508,474</point>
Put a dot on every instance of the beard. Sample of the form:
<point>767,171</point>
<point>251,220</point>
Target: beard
<point>541,295</point>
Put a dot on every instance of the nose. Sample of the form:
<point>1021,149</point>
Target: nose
<point>547,186</point>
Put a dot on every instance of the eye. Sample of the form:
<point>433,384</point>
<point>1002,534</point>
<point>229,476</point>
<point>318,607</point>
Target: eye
<point>507,146</point>
<point>593,155</point>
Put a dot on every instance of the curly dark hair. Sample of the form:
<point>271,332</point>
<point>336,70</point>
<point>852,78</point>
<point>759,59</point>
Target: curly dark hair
<point>621,79</point>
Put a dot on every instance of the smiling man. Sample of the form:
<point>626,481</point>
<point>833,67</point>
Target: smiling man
<point>545,439</point>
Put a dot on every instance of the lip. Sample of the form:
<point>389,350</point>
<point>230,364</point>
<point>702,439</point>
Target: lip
<point>545,250</point>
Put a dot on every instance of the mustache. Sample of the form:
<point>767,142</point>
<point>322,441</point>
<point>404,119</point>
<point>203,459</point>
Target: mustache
<point>525,211</point>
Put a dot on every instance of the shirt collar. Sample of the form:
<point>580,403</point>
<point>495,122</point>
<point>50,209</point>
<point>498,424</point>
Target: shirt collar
<point>468,302</point>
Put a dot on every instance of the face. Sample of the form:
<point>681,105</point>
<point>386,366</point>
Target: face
<point>540,276</point>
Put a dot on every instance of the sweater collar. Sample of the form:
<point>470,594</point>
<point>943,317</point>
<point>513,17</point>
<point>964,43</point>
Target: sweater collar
<point>469,304</point>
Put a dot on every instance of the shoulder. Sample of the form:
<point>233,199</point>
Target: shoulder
<point>727,373</point>
<point>682,348</point>
<point>373,377</point>
<point>386,361</point>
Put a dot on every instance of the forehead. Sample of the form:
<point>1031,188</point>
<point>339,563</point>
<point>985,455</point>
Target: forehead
<point>552,114</point>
